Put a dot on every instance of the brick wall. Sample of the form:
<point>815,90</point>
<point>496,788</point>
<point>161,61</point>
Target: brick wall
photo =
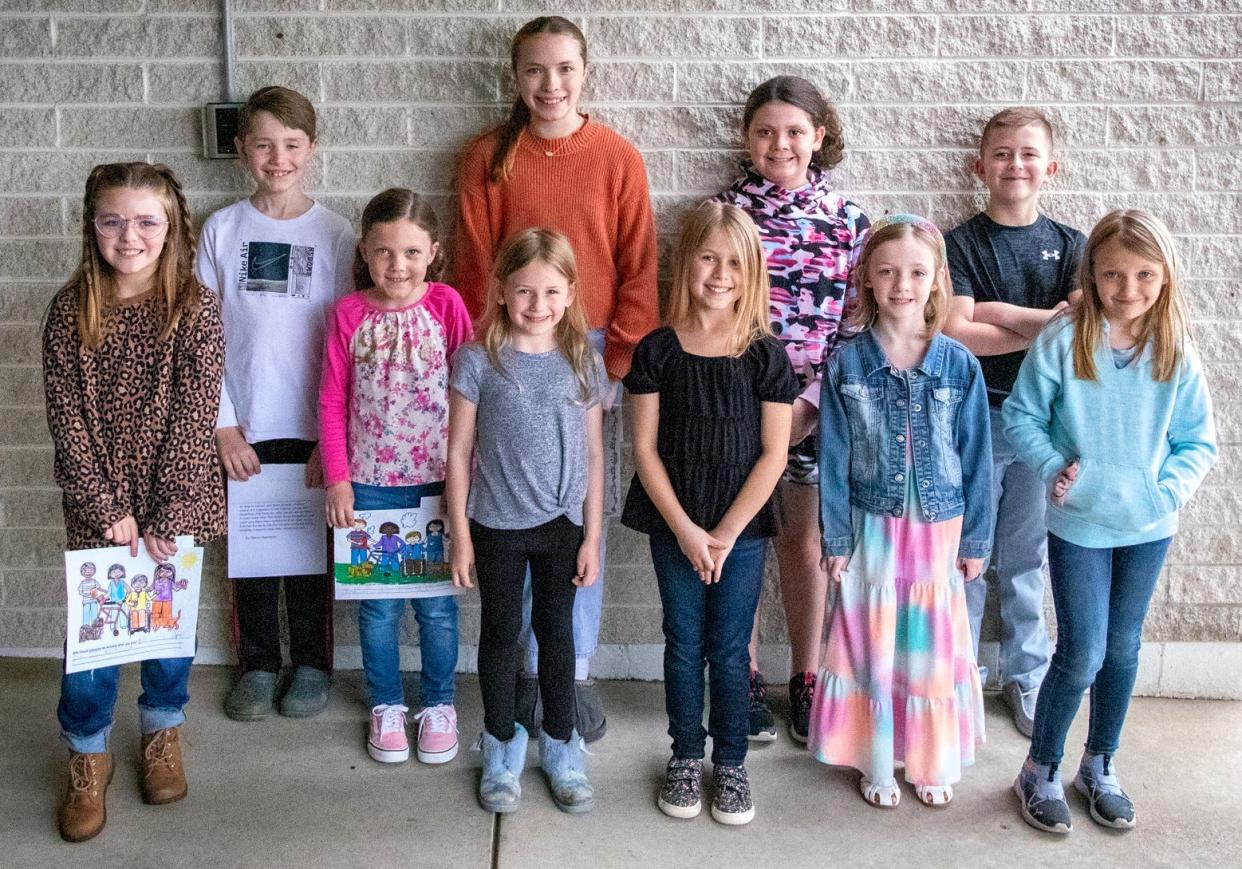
<point>1145,95</point>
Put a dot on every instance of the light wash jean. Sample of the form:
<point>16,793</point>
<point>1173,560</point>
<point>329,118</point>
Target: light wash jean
<point>589,602</point>
<point>1019,553</point>
<point>379,624</point>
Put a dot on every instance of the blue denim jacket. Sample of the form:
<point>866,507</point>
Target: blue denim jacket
<point>868,410</point>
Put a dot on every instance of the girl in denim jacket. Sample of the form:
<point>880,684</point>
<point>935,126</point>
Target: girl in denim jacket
<point>904,466</point>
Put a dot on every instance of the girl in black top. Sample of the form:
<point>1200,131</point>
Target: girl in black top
<point>713,392</point>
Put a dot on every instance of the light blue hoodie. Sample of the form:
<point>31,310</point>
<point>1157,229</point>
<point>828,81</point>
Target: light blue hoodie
<point>1143,446</point>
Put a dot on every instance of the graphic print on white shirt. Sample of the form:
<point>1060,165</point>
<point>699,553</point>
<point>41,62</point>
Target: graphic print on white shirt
<point>276,268</point>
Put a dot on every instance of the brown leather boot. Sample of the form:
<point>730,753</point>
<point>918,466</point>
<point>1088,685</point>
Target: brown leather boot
<point>82,814</point>
<point>163,774</point>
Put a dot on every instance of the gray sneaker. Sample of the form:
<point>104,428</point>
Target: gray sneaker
<point>307,694</point>
<point>591,723</point>
<point>252,697</point>
<point>731,802</point>
<point>682,793</point>
<point>1022,704</point>
<point>1110,806</point>
<point>1041,797</point>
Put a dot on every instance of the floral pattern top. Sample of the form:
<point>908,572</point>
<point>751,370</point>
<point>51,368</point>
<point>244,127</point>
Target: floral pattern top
<point>812,237</point>
<point>383,403</point>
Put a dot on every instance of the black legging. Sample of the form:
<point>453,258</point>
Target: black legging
<point>501,559</point>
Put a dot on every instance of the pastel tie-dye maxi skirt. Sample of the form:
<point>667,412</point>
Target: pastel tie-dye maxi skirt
<point>899,682</point>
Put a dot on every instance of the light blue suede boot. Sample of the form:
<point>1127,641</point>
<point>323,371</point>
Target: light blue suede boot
<point>499,789</point>
<point>565,765</point>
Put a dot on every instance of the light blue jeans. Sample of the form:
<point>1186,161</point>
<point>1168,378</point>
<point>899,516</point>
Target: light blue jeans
<point>589,602</point>
<point>1019,553</point>
<point>379,624</point>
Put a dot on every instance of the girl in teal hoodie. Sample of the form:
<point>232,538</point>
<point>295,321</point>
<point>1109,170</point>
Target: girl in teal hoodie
<point>1111,408</point>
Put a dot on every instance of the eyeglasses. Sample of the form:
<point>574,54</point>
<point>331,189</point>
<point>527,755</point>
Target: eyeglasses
<point>112,225</point>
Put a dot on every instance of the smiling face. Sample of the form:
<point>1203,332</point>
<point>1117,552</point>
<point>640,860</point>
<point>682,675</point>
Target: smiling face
<point>900,275</point>
<point>276,156</point>
<point>1014,163</point>
<point>398,254</point>
<point>550,71</point>
<point>716,276</point>
<point>1128,284</point>
<point>134,259</point>
<point>535,298</point>
<point>781,140</point>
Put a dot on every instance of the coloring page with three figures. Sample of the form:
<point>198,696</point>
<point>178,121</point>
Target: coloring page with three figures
<point>124,608</point>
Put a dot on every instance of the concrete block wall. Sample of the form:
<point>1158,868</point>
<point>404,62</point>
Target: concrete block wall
<point>1146,96</point>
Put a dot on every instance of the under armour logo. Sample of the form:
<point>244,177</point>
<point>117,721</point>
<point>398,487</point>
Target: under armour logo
<point>1051,254</point>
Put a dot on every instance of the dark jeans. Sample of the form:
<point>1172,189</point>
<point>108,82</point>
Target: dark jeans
<point>708,624</point>
<point>1101,598</point>
<point>501,559</point>
<point>308,599</point>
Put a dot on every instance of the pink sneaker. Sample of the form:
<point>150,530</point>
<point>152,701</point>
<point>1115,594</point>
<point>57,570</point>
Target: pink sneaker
<point>388,742</point>
<point>437,734</point>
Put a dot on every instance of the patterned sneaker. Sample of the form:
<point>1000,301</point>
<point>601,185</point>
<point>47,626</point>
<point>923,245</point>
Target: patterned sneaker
<point>801,693</point>
<point>762,724</point>
<point>731,802</point>
<point>1097,781</point>
<point>437,734</point>
<point>388,742</point>
<point>682,794</point>
<point>1041,797</point>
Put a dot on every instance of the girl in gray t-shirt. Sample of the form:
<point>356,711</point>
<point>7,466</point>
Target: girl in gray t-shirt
<point>525,403</point>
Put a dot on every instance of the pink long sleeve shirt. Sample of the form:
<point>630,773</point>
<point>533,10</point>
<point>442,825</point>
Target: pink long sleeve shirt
<point>383,400</point>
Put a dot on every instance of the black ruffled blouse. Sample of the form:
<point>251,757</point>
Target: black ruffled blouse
<point>710,426</point>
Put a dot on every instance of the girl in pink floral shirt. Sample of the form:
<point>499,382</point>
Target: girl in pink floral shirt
<point>383,418</point>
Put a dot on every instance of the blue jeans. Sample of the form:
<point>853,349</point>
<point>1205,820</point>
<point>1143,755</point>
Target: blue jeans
<point>708,623</point>
<point>1019,551</point>
<point>87,701</point>
<point>1101,598</point>
<point>379,624</point>
<point>589,603</point>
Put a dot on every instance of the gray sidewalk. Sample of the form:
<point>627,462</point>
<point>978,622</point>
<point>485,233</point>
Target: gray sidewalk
<point>289,793</point>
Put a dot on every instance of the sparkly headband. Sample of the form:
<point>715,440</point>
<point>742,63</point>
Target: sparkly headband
<point>913,220</point>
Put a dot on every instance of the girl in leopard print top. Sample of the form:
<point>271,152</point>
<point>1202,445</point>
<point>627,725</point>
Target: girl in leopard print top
<point>133,352</point>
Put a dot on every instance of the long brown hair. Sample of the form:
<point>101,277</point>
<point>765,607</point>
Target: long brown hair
<point>752,320</point>
<point>551,248</point>
<point>174,281</point>
<point>800,93</point>
<point>1166,325</point>
<point>396,203</point>
<point>519,115</point>
<point>889,228</point>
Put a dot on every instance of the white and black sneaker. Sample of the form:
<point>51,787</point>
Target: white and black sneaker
<point>762,724</point>
<point>731,802</point>
<point>682,794</point>
<point>1041,797</point>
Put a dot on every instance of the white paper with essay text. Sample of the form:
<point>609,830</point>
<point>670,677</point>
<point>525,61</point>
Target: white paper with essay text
<point>277,525</point>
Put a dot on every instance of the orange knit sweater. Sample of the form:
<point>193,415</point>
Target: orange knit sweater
<point>592,186</point>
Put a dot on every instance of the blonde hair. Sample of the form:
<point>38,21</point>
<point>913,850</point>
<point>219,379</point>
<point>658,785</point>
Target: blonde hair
<point>890,228</point>
<point>1018,116</point>
<point>174,280</point>
<point>1166,326</point>
<point>551,248</point>
<point>752,318</point>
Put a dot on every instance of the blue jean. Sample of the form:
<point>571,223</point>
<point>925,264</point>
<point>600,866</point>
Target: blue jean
<point>1019,552</point>
<point>589,603</point>
<point>88,699</point>
<point>708,624</point>
<point>379,624</point>
<point>1101,598</point>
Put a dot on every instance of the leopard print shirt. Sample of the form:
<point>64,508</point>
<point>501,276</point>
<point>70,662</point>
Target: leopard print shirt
<point>133,421</point>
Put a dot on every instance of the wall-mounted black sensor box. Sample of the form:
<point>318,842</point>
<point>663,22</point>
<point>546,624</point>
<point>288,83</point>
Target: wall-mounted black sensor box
<point>219,130</point>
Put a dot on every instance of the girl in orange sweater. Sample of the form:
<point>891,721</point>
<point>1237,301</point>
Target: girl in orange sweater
<point>550,166</point>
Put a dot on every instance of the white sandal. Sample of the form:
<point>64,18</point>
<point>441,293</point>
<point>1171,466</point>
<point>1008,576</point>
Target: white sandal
<point>883,796</point>
<point>935,796</point>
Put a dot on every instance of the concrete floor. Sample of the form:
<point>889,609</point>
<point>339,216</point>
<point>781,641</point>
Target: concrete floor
<point>288,793</point>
